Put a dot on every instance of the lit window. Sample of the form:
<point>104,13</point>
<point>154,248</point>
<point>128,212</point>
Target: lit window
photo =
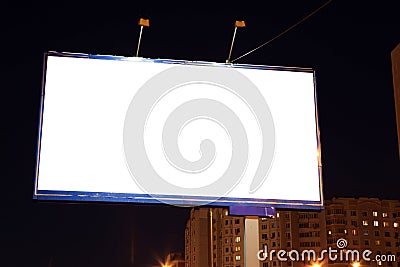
<point>378,242</point>
<point>237,258</point>
<point>237,239</point>
<point>345,231</point>
<point>379,263</point>
<point>376,223</point>
<point>385,224</point>
<point>365,223</point>
<point>329,232</point>
<point>277,215</point>
<point>354,232</point>
<point>237,248</point>
<point>396,224</point>
<point>384,214</point>
<point>375,213</point>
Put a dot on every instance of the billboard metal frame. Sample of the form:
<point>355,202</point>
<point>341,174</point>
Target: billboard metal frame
<point>81,196</point>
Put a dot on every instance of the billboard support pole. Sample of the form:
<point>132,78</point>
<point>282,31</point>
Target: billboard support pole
<point>251,241</point>
<point>251,230</point>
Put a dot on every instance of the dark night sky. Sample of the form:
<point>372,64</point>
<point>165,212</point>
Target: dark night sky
<point>348,43</point>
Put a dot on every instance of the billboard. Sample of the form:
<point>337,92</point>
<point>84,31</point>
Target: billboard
<point>179,132</point>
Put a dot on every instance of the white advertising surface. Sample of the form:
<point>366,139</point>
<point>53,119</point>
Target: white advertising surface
<point>186,133</point>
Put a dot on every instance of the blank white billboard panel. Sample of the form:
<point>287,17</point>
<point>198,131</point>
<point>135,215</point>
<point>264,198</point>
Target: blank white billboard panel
<point>186,133</point>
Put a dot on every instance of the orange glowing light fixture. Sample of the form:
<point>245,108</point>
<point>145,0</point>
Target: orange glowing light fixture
<point>144,22</point>
<point>238,24</point>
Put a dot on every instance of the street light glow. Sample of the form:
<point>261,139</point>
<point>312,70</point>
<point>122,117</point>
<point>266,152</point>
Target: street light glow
<point>167,263</point>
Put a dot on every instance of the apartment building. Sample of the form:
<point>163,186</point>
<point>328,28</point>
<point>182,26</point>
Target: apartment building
<point>198,238</point>
<point>366,224</point>
<point>220,243</point>
<point>292,230</point>
<point>215,239</point>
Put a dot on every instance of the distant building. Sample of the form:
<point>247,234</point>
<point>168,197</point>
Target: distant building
<point>366,223</point>
<point>223,246</point>
<point>298,230</point>
<point>197,238</point>
<point>219,245</point>
<point>215,239</point>
<point>396,85</point>
<point>227,239</point>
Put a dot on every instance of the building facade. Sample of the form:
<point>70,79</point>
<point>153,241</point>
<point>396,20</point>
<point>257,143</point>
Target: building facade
<point>366,224</point>
<point>292,230</point>
<point>197,238</point>
<point>215,239</point>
